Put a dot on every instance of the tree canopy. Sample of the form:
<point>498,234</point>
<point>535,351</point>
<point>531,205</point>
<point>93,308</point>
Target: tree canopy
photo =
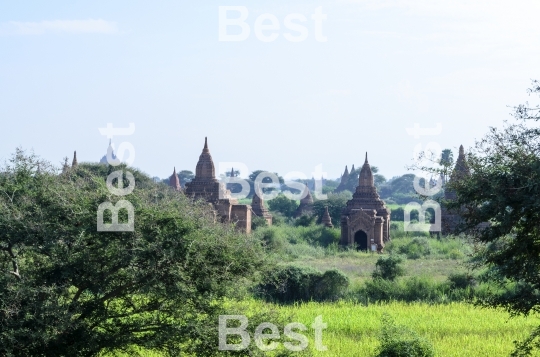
<point>67,289</point>
<point>503,189</point>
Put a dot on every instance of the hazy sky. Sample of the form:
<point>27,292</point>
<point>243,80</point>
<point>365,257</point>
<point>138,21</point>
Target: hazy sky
<point>69,68</point>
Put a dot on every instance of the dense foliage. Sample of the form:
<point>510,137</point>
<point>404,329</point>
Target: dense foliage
<point>68,290</point>
<point>503,190</point>
<point>293,283</point>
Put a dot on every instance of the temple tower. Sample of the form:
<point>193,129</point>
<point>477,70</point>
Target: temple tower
<point>450,219</point>
<point>74,162</point>
<point>326,220</point>
<point>365,219</point>
<point>306,204</point>
<point>344,180</point>
<point>206,187</point>
<point>174,181</point>
<point>258,208</point>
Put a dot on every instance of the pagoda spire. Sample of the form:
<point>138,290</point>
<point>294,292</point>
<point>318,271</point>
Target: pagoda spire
<point>326,220</point>
<point>174,181</point>
<point>205,167</point>
<point>232,172</point>
<point>74,163</point>
<point>365,179</point>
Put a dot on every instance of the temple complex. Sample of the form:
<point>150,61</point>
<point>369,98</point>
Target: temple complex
<point>365,220</point>
<point>306,205</point>
<point>206,187</point>
<point>258,208</point>
<point>326,220</point>
<point>174,181</point>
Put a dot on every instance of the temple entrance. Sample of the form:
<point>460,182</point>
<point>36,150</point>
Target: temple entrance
<point>361,240</point>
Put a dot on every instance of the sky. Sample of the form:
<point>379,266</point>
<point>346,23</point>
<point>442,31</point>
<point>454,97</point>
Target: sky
<point>347,84</point>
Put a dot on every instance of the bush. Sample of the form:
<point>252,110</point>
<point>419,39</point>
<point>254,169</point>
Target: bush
<point>295,283</point>
<point>283,205</point>
<point>388,268</point>
<point>257,222</point>
<point>304,221</point>
<point>461,281</point>
<point>399,341</point>
<point>416,248</point>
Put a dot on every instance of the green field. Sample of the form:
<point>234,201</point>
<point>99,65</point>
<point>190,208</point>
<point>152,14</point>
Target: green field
<point>455,329</point>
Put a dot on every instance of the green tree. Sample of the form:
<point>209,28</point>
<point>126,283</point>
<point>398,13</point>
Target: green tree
<point>284,205</point>
<point>67,289</point>
<point>335,202</point>
<point>185,176</point>
<point>503,189</point>
<point>388,268</point>
<point>447,162</point>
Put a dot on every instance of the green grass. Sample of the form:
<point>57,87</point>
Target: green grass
<point>455,329</point>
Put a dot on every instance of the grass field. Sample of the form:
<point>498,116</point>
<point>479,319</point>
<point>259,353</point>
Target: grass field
<point>454,329</point>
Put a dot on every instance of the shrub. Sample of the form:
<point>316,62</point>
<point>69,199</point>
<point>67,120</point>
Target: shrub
<point>304,221</point>
<point>257,222</point>
<point>416,248</point>
<point>283,205</point>
<point>388,268</point>
<point>461,281</point>
<point>295,283</point>
<point>331,286</point>
<point>399,341</point>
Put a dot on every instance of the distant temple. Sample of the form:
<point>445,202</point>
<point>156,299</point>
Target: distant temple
<point>205,186</point>
<point>451,219</point>
<point>344,179</point>
<point>104,158</point>
<point>365,220</point>
<point>174,181</point>
<point>326,220</point>
<point>306,205</point>
<point>258,209</point>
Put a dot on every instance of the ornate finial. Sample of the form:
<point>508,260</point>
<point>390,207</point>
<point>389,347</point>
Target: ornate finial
<point>461,150</point>
<point>74,163</point>
<point>232,172</point>
<point>205,143</point>
<point>366,162</point>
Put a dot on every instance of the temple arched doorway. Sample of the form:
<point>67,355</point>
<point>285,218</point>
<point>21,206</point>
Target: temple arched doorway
<point>361,240</point>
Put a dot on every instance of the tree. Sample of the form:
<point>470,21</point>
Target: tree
<point>446,161</point>
<point>335,203</point>
<point>67,289</point>
<point>388,268</point>
<point>283,204</point>
<point>503,189</point>
<point>185,176</point>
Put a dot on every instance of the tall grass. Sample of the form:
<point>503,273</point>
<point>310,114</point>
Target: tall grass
<point>353,330</point>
